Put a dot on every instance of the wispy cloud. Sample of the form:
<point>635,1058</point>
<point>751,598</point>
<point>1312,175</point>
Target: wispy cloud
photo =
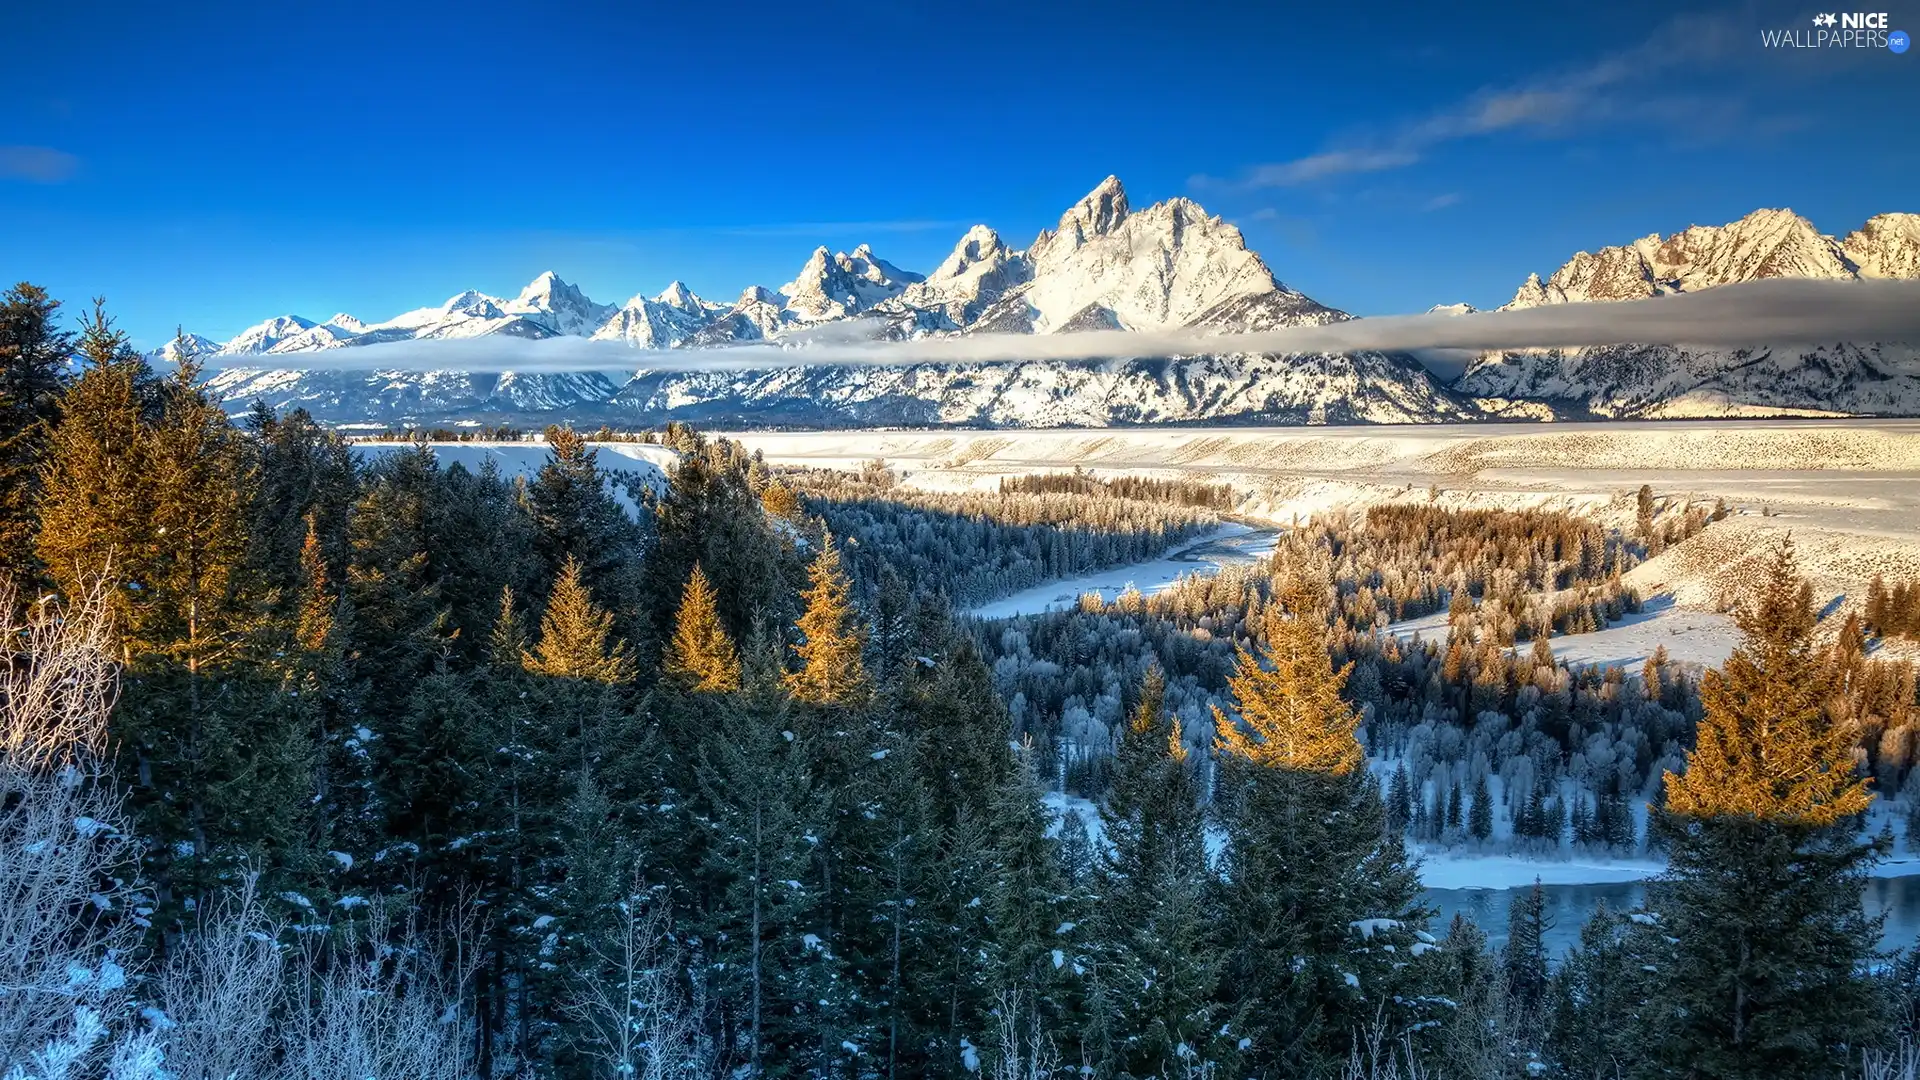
<point>1442,201</point>
<point>38,164</point>
<point>1772,312</point>
<point>1608,88</point>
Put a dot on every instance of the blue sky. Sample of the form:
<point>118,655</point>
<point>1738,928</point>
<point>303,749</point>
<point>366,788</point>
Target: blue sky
<point>214,164</point>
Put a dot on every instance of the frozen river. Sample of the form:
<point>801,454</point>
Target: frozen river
<point>1569,905</point>
<point>1231,543</point>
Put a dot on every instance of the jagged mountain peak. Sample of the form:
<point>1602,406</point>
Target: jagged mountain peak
<point>677,295</point>
<point>1167,265</point>
<point>474,303</point>
<point>1098,213</point>
<point>185,345</point>
<point>1887,246</point>
<point>558,306</point>
<point>834,286</point>
<point>346,322</point>
<point>978,272</point>
<point>263,337</point>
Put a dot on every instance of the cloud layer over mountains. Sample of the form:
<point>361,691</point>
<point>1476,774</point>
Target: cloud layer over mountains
<point>1769,312</point>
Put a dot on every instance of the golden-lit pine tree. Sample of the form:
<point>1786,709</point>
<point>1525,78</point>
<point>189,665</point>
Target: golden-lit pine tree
<point>1292,714</point>
<point>779,500</point>
<point>576,635</point>
<point>1766,747</point>
<point>94,498</point>
<point>831,670</point>
<point>200,480</point>
<point>1308,856</point>
<point>700,656</point>
<point>313,627</point>
<point>1763,953</point>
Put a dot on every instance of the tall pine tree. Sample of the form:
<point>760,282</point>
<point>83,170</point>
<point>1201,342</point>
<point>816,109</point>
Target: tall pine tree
<point>700,656</point>
<point>1766,972</point>
<point>833,637</point>
<point>33,359</point>
<point>1320,904</point>
<point>1159,964</point>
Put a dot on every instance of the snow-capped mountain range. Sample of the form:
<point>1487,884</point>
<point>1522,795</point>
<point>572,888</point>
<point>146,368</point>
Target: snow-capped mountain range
<point>1669,381</point>
<point>1104,266</point>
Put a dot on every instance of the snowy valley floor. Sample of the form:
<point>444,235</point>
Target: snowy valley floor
<point>1847,491</point>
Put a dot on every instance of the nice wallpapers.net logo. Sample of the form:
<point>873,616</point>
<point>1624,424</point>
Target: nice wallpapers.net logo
<point>1839,30</point>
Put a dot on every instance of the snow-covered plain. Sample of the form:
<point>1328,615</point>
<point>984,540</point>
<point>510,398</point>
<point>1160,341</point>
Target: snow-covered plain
<point>1690,636</point>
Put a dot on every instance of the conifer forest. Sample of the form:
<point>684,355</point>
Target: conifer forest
<point>372,767</point>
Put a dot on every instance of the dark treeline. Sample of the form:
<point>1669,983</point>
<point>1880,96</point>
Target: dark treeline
<point>485,433</point>
<point>445,434</point>
<point>1079,482</point>
<point>976,546</point>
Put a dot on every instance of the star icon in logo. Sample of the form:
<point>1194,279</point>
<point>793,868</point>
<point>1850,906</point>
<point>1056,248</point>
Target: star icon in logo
<point>1825,19</point>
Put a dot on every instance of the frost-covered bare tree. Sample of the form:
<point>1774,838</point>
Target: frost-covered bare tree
<point>374,1001</point>
<point>1378,1056</point>
<point>1023,1050</point>
<point>220,991</point>
<point>1899,1063</point>
<point>629,1003</point>
<point>67,917</point>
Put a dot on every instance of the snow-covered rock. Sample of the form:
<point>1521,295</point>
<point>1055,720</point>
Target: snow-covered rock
<point>560,307</point>
<point>834,286</point>
<point>264,337</point>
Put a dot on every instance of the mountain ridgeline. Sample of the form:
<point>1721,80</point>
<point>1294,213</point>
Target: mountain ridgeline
<point>1104,266</point>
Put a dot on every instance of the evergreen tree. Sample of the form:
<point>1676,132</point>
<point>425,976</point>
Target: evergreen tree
<point>1157,961</point>
<point>768,960</point>
<point>1026,903</point>
<point>1400,801</point>
<point>1603,1019</point>
<point>960,762</point>
<point>1316,889</point>
<point>1767,969</point>
<point>700,656</point>
<point>832,671</point>
<point>94,497</point>
<point>1472,1038</point>
<point>576,635</point>
<point>1480,812</point>
<point>1524,956</point>
<point>304,486</point>
<point>33,358</point>
<point>579,520</point>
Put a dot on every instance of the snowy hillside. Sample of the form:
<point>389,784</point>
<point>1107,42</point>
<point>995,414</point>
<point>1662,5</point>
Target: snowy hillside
<point>629,467</point>
<point>1103,266</point>
<point>1669,381</point>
